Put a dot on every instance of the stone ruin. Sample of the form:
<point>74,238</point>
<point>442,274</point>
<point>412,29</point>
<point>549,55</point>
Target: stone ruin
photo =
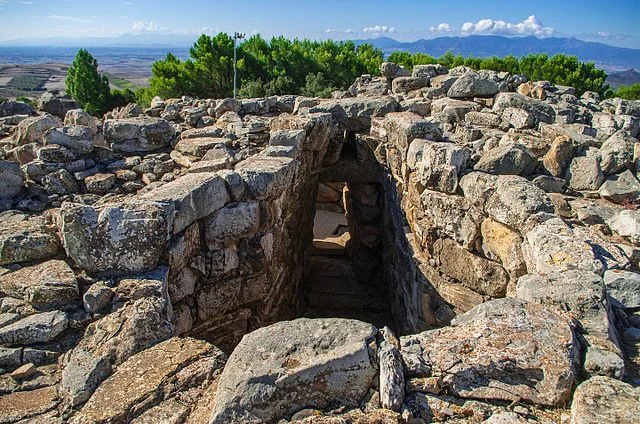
<point>442,245</point>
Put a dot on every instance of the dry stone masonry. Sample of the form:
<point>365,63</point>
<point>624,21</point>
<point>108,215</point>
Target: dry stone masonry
<point>160,266</point>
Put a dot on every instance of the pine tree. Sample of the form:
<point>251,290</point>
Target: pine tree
<point>86,85</point>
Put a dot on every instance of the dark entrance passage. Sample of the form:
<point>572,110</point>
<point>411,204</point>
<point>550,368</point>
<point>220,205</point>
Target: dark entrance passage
<point>344,278</point>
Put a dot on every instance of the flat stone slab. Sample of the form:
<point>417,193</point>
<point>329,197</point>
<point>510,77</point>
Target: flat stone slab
<point>267,177</point>
<point>49,285</point>
<point>504,349</point>
<point>28,404</point>
<point>35,328</point>
<point>278,370</point>
<point>142,380</point>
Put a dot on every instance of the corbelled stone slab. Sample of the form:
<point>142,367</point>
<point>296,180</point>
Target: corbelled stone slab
<point>192,197</point>
<point>306,363</point>
<point>267,177</point>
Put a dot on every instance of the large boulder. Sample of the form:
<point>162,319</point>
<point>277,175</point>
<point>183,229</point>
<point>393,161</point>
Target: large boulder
<point>37,328</point>
<point>472,84</point>
<point>623,188</point>
<point>583,295</point>
<point>56,105</point>
<point>77,138</point>
<point>267,177</point>
<point>191,197</point>
<point>504,349</point>
<point>10,107</point>
<point>115,238</point>
<point>437,165</point>
<point>584,173</point>
<point>555,246</point>
<point>32,130</point>
<point>541,111</point>
<point>138,135</point>
<point>306,363</point>
<point>515,200</point>
<point>616,153</point>
<point>604,400</point>
<point>509,159</point>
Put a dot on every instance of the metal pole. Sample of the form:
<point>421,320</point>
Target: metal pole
<point>235,71</point>
<point>236,36</point>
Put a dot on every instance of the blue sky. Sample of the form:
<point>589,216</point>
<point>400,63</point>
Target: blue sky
<point>612,22</point>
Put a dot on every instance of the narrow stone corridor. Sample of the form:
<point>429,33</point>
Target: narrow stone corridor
<point>332,286</point>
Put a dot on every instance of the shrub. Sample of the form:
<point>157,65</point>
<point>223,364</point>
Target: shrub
<point>86,86</point>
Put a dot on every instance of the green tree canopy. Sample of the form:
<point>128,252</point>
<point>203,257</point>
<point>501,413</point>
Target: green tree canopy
<point>86,86</point>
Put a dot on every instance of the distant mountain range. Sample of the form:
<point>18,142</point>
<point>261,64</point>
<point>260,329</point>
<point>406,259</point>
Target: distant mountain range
<point>628,77</point>
<point>607,57</point>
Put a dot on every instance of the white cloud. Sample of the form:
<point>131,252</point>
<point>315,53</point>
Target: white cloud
<point>142,26</point>
<point>25,2</point>
<point>380,29</point>
<point>529,26</point>
<point>65,18</point>
<point>128,3</point>
<point>339,31</point>
<point>443,27</point>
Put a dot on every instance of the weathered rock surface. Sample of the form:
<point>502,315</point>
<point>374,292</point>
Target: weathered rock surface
<point>601,400</point>
<point>49,285</point>
<point>172,367</point>
<point>142,322</point>
<point>25,238</point>
<point>503,349</point>
<point>623,288</point>
<point>471,84</point>
<point>308,363</point>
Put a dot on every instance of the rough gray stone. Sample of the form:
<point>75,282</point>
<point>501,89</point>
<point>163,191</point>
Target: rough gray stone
<point>11,177</point>
<point>627,224</point>
<point>114,238</point>
<point>622,189</point>
<point>584,173</point>
<point>138,135</point>
<point>583,295</point>
<point>437,164</point>
<point>77,138</point>
<point>515,200</point>
<point>49,285</point>
<point>306,364</point>
<point>510,159</point>
<point>471,84</point>
<point>623,287</point>
<point>267,177</point>
<point>192,197</point>
<point>25,238</point>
